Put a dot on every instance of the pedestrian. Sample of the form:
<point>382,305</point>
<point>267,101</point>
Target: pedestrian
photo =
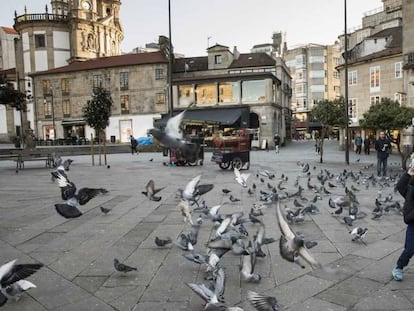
<point>367,145</point>
<point>405,187</point>
<point>277,142</point>
<point>383,147</point>
<point>134,144</point>
<point>358,144</point>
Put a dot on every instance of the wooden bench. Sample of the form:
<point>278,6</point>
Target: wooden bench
<point>33,155</point>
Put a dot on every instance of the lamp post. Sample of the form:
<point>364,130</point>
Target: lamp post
<point>346,89</point>
<point>170,56</point>
<point>53,110</point>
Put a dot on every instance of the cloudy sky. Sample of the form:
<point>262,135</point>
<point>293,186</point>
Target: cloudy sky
<point>242,23</point>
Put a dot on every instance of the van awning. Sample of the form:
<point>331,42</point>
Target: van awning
<point>66,122</point>
<point>226,116</point>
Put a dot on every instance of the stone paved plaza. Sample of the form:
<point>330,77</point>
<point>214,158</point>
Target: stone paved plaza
<point>78,254</point>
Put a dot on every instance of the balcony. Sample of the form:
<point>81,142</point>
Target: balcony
<point>408,60</point>
<point>39,17</point>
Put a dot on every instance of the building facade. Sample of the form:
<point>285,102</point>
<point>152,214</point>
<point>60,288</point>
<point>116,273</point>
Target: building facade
<point>255,83</point>
<point>137,83</point>
<point>314,78</point>
<point>375,63</point>
<point>71,31</point>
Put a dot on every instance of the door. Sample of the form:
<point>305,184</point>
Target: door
<point>125,128</point>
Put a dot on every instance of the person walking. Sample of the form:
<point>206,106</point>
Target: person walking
<point>405,187</point>
<point>383,147</point>
<point>134,144</point>
<point>277,142</point>
<point>367,145</point>
<point>358,144</point>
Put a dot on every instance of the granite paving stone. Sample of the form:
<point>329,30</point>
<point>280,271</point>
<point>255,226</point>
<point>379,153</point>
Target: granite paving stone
<point>78,253</point>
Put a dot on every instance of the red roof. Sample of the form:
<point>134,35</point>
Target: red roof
<point>109,62</point>
<point>9,31</point>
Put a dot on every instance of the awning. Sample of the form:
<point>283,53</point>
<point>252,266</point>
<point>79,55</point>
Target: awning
<point>66,122</point>
<point>221,116</point>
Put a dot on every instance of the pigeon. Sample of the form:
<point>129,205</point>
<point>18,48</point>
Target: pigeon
<point>151,191</point>
<point>104,210</point>
<point>73,198</point>
<point>184,207</point>
<point>262,302</point>
<point>162,242</point>
<point>123,267</point>
<point>291,245</point>
<point>247,268</point>
<point>349,220</point>
<point>358,234</point>
<point>226,191</point>
<point>11,275</point>
<point>233,198</point>
<point>241,178</point>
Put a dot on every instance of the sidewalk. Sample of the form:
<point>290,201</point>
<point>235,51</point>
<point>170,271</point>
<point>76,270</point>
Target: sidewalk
<point>78,254</point>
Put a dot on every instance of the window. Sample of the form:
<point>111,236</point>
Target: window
<point>124,100</point>
<point>123,81</point>
<point>185,94</point>
<point>159,74</point>
<point>218,59</point>
<point>253,91</point>
<point>66,108</point>
<point>317,74</point>
<point>40,41</point>
<point>375,100</point>
<point>47,107</point>
<point>398,70</point>
<point>316,59</point>
<point>65,86</point>
<point>401,98</point>
<point>160,98</point>
<point>229,92</point>
<point>96,81</point>
<point>352,78</point>
<point>206,93</point>
<point>336,74</point>
<point>352,108</point>
<point>374,73</point>
<point>47,87</point>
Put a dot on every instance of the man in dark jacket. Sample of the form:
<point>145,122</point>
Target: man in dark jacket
<point>405,187</point>
<point>383,147</point>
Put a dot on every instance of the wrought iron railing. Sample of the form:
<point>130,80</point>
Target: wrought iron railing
<point>40,17</point>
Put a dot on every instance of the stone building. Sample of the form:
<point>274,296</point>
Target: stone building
<point>71,31</point>
<point>375,63</point>
<point>233,89</point>
<point>137,83</point>
<point>314,78</point>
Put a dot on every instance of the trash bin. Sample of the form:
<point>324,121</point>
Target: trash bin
<point>164,151</point>
<point>113,139</point>
<point>199,140</point>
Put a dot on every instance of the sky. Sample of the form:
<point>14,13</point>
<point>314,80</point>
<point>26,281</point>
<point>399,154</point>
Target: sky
<point>197,24</point>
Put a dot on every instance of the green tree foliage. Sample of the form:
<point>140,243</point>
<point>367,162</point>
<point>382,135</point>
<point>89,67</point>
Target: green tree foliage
<point>11,97</point>
<point>98,110</point>
<point>388,115</point>
<point>329,113</point>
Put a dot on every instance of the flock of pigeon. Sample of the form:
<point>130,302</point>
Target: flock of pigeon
<point>288,199</point>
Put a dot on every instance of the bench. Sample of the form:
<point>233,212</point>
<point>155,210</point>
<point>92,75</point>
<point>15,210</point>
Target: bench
<point>33,155</point>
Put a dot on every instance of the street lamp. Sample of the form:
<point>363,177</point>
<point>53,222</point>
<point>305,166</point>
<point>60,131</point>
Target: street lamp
<point>170,56</point>
<point>53,110</point>
<point>346,89</point>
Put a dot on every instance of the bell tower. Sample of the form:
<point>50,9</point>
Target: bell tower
<point>96,30</point>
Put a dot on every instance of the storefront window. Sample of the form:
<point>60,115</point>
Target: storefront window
<point>253,91</point>
<point>229,92</point>
<point>185,95</point>
<point>207,93</point>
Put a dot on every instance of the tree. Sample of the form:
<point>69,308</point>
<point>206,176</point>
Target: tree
<point>329,113</point>
<point>389,115</point>
<point>97,112</point>
<point>11,97</point>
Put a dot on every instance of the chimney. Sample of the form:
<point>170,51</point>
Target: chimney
<point>236,53</point>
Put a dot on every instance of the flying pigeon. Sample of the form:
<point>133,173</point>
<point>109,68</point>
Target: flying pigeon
<point>151,191</point>
<point>73,198</point>
<point>358,234</point>
<point>10,276</point>
<point>262,302</point>
<point>291,245</point>
<point>123,267</point>
<point>241,178</point>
